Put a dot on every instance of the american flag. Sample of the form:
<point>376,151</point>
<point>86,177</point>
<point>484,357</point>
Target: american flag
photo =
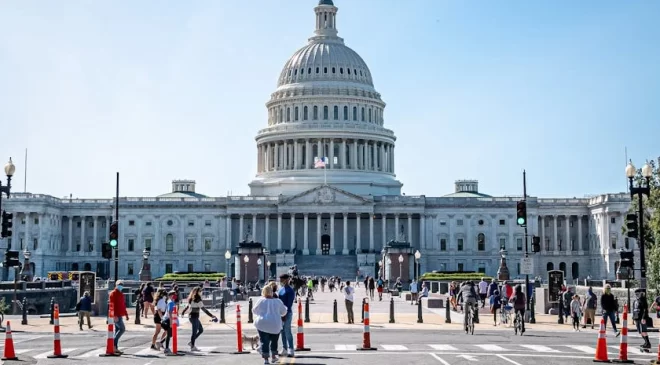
<point>320,163</point>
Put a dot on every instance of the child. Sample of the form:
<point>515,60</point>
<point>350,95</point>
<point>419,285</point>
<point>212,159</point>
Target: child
<point>495,304</point>
<point>576,312</point>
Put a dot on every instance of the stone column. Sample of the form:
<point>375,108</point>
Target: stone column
<point>285,155</point>
<point>396,227</point>
<point>83,240</point>
<point>556,248</point>
<point>279,231</point>
<point>293,232</point>
<point>318,233</point>
<point>332,234</point>
<point>267,231</point>
<point>422,231</point>
<point>305,234</point>
<point>568,235</point>
<point>71,232</point>
<point>319,147</point>
<point>28,235</point>
<point>308,154</point>
<point>393,170</point>
<point>579,240</point>
<point>228,243</point>
<point>358,246</point>
<point>241,222</point>
<point>343,154</point>
<point>371,231</point>
<point>384,228</point>
<point>96,226</point>
<point>254,227</point>
<point>409,235</point>
<point>332,155</point>
<point>276,158</point>
<point>296,155</point>
<point>354,155</point>
<point>543,234</point>
<point>344,251</point>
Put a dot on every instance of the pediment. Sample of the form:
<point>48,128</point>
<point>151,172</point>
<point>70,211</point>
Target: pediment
<point>325,195</point>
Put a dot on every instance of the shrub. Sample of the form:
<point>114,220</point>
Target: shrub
<point>455,277</point>
<point>212,276</point>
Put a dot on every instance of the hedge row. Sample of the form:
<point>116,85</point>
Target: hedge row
<point>192,277</point>
<point>455,277</point>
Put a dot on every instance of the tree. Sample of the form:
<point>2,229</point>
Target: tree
<point>651,226</point>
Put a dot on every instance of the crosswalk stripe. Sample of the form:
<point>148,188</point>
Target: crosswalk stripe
<point>44,355</point>
<point>22,351</point>
<point>346,347</point>
<point>204,350</point>
<point>394,347</point>
<point>585,349</point>
<point>491,347</point>
<point>443,347</point>
<point>93,353</point>
<point>147,352</point>
<point>539,348</point>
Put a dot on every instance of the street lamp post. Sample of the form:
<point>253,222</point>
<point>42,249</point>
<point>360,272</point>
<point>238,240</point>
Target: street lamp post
<point>227,257</point>
<point>640,191</point>
<point>400,264</point>
<point>268,263</point>
<point>380,269</point>
<point>145,271</point>
<point>259,262</point>
<point>418,255</point>
<point>246,259</point>
<point>9,171</point>
<point>388,268</point>
<point>503,271</point>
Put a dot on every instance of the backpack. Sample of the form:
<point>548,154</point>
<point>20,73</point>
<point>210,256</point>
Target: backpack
<point>592,301</point>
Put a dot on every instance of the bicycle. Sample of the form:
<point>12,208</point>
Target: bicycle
<point>469,325</point>
<point>518,324</point>
<point>505,314</point>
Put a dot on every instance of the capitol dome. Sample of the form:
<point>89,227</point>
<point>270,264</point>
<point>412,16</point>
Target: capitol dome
<point>325,108</point>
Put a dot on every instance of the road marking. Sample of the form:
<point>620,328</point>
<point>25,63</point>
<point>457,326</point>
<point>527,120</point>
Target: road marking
<point>44,355</point>
<point>507,359</point>
<point>346,347</point>
<point>148,352</point>
<point>468,357</point>
<point>22,351</point>
<point>443,362</point>
<point>585,349</point>
<point>204,350</point>
<point>539,348</point>
<point>491,347</point>
<point>443,347</point>
<point>29,338</point>
<point>93,353</point>
<point>394,347</point>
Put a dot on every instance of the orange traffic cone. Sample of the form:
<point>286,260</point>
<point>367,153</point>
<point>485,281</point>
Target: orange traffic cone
<point>9,345</point>
<point>601,344</point>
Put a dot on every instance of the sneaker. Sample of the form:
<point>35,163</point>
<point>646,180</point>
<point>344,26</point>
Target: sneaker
<point>193,349</point>
<point>290,353</point>
<point>266,362</point>
<point>189,344</point>
<point>284,352</point>
<point>274,360</point>
<point>618,333</point>
<point>167,351</point>
<point>153,346</point>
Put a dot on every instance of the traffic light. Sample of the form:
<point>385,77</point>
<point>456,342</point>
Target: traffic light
<point>521,213</point>
<point>6,224</point>
<point>11,259</point>
<point>106,250</point>
<point>631,226</point>
<point>627,258</point>
<point>536,244</point>
<point>114,234</point>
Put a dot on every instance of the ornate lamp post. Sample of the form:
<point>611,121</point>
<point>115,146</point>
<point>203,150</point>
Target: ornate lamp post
<point>400,264</point>
<point>503,271</point>
<point>246,259</point>
<point>388,268</point>
<point>227,258</point>
<point>259,262</point>
<point>418,255</point>
<point>380,269</point>
<point>26,271</point>
<point>640,191</point>
<point>9,171</point>
<point>145,271</point>
<point>268,263</point>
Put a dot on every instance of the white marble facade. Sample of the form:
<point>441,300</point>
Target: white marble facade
<point>325,105</point>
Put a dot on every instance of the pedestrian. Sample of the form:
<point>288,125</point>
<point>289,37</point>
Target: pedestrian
<point>640,313</point>
<point>372,285</point>
<point>119,307</point>
<point>348,301</point>
<point>148,299</point>
<point>379,285</point>
<point>608,306</point>
<point>590,305</point>
<point>195,304</point>
<point>287,296</point>
<point>414,290</point>
<point>84,308</point>
<point>268,312</point>
<point>576,312</point>
<point>495,304</point>
<point>166,322</point>
<point>139,299</point>
<point>161,308</point>
<point>483,291</point>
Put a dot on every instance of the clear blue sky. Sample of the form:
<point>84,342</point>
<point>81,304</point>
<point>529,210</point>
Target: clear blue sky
<point>160,90</point>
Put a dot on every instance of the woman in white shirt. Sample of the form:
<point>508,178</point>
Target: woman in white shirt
<point>161,308</point>
<point>268,312</point>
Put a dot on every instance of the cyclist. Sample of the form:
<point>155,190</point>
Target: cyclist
<point>470,297</point>
<point>519,303</point>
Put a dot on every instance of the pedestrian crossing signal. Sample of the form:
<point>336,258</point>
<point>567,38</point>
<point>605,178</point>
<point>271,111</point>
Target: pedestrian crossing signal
<point>521,213</point>
<point>7,224</point>
<point>631,226</point>
<point>114,234</point>
<point>536,244</point>
<point>106,250</point>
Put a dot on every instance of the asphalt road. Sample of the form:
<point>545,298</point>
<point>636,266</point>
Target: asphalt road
<point>338,346</point>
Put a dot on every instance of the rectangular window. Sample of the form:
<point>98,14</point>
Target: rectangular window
<point>502,222</point>
<point>547,244</point>
<point>573,247</point>
<point>207,223</point>
<point>443,223</point>
<point>191,268</point>
<point>570,224</point>
<point>35,244</point>
<point>459,244</point>
<point>459,222</point>
<point>559,245</point>
<point>147,223</point>
<point>613,220</point>
<point>208,244</point>
<point>443,244</point>
<point>613,242</point>
<point>502,243</point>
<point>519,244</point>
<point>90,245</point>
<point>78,224</point>
<point>558,224</point>
<point>36,220</point>
<point>147,244</point>
<point>207,267</point>
<point>518,268</point>
<point>191,244</point>
<point>482,269</point>
<point>626,242</point>
<point>91,224</point>
<point>131,223</point>
<point>168,268</point>
<point>459,267</point>
<point>131,244</point>
<point>191,223</point>
<point>129,269</point>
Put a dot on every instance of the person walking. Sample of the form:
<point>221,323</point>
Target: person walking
<point>348,300</point>
<point>161,307</point>
<point>483,291</point>
<point>414,290</point>
<point>576,312</point>
<point>640,313</point>
<point>268,312</point>
<point>119,307</point>
<point>195,304</point>
<point>287,296</point>
<point>371,284</point>
<point>495,304</point>
<point>609,307</point>
<point>590,304</point>
<point>84,310</point>
<point>166,322</point>
<point>148,299</point>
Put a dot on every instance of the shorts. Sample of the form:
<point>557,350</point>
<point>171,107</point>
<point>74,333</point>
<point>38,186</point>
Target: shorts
<point>157,318</point>
<point>380,289</point>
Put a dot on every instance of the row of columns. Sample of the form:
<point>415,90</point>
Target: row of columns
<point>567,237</point>
<point>352,154</point>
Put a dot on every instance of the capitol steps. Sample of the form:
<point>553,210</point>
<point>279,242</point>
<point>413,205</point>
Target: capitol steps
<point>344,266</point>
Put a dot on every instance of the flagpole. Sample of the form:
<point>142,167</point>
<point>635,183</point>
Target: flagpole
<point>325,174</point>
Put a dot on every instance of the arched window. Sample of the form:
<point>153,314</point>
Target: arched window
<point>369,115</point>
<point>354,113</point>
<point>309,70</point>
<point>288,114</point>
<point>349,70</point>
<point>281,115</point>
<point>325,70</point>
<point>325,112</point>
<point>363,114</point>
<point>317,70</point>
<point>316,112</point>
<point>481,242</point>
<point>336,112</point>
<point>305,113</point>
<point>169,242</point>
<point>333,70</point>
<point>550,266</point>
<point>341,70</point>
<point>345,113</point>
<point>87,267</point>
<point>74,266</point>
<point>575,270</point>
<point>562,267</point>
<point>295,114</point>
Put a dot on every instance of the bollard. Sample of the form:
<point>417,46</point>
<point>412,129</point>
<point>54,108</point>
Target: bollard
<point>110,338</point>
<point>334,312</point>
<point>9,353</point>
<point>175,334</point>
<point>57,345</point>
<point>560,309</point>
<point>364,300</point>
<point>300,336</point>
<point>250,316</point>
<point>447,311</point>
<point>24,321</point>
<point>366,333</point>
<point>137,313</point>
<point>623,346</point>
<point>222,311</point>
<point>307,310</point>
<point>52,309</point>
<point>239,333</point>
<point>419,312</point>
<point>391,310</point>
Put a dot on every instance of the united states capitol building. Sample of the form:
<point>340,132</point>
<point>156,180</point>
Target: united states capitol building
<point>347,217</point>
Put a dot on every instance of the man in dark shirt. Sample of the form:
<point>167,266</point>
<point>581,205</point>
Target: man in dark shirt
<point>640,313</point>
<point>288,296</point>
<point>609,307</point>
